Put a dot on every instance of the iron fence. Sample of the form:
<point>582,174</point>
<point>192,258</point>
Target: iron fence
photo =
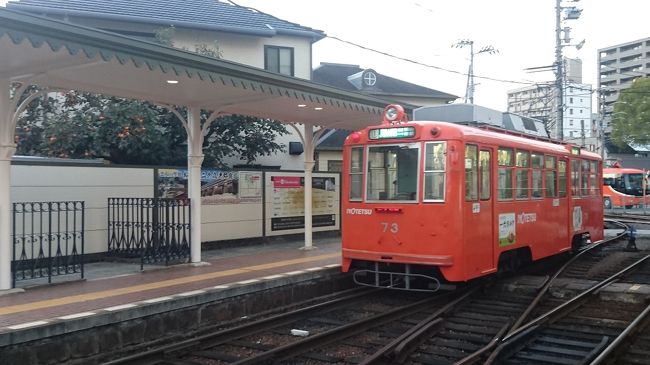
<point>156,230</point>
<point>48,239</point>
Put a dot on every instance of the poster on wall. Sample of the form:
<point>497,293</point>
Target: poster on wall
<point>285,205</point>
<point>217,186</point>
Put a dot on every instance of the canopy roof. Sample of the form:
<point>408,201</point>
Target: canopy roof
<point>59,55</point>
<point>195,14</point>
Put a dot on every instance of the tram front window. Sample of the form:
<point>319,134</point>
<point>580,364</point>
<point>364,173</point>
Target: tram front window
<point>393,172</point>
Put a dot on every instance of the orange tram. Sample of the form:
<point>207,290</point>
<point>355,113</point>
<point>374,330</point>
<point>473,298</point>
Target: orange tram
<point>431,202</point>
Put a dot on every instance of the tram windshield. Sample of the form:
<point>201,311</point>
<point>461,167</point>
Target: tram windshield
<point>627,183</point>
<point>393,172</point>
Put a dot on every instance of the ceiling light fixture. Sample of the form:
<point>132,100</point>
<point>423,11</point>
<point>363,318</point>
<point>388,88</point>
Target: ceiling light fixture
<point>318,108</point>
<point>302,105</point>
<point>172,81</point>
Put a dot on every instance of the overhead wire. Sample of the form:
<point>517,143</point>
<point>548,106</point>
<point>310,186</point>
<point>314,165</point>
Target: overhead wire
<point>398,57</point>
<point>440,68</point>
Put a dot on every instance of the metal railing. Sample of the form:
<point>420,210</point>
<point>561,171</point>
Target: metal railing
<point>156,230</point>
<point>48,239</point>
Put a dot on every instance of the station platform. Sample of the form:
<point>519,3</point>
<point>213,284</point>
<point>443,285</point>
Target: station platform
<point>113,291</point>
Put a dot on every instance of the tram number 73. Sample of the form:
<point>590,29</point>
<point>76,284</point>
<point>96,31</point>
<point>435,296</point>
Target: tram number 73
<point>393,227</point>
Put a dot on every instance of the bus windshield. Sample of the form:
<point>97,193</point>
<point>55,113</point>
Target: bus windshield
<point>393,172</point>
<point>628,183</point>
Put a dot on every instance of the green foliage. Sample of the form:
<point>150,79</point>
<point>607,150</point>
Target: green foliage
<point>81,125</point>
<point>205,50</point>
<point>631,116</point>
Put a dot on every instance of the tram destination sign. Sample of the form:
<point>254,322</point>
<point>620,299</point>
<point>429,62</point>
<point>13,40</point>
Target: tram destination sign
<point>389,133</point>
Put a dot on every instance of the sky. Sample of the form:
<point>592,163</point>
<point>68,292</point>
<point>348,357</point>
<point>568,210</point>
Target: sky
<point>523,31</point>
<point>423,31</point>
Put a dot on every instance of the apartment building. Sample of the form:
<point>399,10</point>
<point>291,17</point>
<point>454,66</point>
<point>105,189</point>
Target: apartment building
<point>618,66</point>
<point>539,101</point>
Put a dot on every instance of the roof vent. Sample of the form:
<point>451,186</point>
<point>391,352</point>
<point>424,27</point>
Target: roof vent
<point>366,79</point>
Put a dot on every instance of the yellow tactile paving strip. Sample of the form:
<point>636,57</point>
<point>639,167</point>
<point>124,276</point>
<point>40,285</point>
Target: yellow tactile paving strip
<point>156,285</point>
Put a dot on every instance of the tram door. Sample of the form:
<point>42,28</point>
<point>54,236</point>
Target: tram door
<point>478,210</point>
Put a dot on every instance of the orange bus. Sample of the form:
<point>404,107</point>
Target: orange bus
<point>623,187</point>
<point>425,202</point>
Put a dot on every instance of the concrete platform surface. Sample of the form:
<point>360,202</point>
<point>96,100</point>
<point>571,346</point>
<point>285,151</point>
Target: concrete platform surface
<point>121,289</point>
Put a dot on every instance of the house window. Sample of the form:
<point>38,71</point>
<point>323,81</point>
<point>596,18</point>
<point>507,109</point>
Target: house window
<point>278,59</point>
<point>334,165</point>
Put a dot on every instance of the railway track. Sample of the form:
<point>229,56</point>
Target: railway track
<point>576,332</point>
<point>461,327</point>
<point>296,331</point>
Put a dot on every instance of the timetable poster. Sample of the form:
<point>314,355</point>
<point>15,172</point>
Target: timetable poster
<point>217,186</point>
<point>285,204</point>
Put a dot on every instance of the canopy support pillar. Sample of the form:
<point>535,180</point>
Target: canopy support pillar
<point>7,150</point>
<point>308,140</point>
<point>196,132</point>
<point>194,161</point>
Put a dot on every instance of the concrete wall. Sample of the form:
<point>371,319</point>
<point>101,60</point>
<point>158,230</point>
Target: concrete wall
<point>94,185</point>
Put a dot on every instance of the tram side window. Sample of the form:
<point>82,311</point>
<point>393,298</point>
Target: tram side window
<point>593,178</point>
<point>523,168</point>
<point>585,178</point>
<point>575,178</point>
<point>356,173</point>
<point>434,171</point>
<point>505,159</point>
<point>551,177</point>
<point>561,178</point>
<point>537,161</point>
<point>485,169</point>
<point>471,172</point>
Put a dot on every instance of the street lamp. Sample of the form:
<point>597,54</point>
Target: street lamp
<point>469,91</point>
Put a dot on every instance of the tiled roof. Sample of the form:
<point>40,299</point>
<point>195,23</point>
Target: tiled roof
<point>334,74</point>
<point>198,14</point>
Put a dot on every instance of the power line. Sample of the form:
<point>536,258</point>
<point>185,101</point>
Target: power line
<point>393,56</point>
<point>427,65</point>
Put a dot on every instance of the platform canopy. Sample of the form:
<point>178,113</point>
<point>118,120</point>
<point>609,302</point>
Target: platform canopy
<point>59,56</point>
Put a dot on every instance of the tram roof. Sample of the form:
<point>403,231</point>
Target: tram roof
<point>501,137</point>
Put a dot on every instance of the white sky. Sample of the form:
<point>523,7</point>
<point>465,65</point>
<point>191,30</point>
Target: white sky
<point>423,30</point>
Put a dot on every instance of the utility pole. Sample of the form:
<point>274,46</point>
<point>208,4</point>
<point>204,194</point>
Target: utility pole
<point>469,90</point>
<point>572,13</point>
<point>559,71</point>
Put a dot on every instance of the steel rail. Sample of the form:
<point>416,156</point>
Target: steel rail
<point>639,322</point>
<point>551,280</point>
<point>557,312</point>
<point>335,334</point>
<point>216,338</point>
<point>416,329</point>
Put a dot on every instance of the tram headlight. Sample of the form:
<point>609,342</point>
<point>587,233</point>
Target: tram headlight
<point>391,114</point>
<point>394,113</point>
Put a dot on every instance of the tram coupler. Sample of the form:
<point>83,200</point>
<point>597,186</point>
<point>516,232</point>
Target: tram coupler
<point>631,240</point>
